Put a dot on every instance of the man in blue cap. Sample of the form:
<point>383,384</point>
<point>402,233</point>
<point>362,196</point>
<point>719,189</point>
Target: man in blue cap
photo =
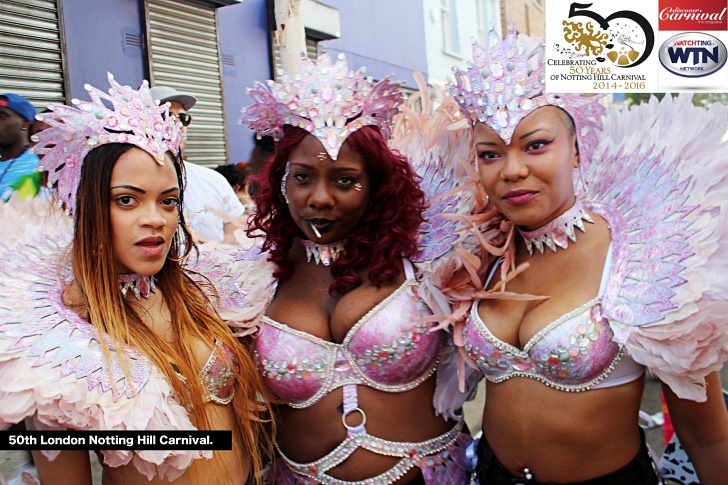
<point>17,163</point>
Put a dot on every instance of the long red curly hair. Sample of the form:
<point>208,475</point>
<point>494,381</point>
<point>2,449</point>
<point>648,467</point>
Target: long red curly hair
<point>387,232</point>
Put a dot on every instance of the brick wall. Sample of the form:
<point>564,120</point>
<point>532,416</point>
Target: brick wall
<point>528,16</point>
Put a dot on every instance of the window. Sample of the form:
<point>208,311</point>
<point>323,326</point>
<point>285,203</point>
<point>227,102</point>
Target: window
<point>487,13</point>
<point>450,33</point>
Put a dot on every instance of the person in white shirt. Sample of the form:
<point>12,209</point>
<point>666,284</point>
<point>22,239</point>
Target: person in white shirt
<point>211,207</point>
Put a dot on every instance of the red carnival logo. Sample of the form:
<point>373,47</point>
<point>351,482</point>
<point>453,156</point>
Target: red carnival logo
<point>693,15</point>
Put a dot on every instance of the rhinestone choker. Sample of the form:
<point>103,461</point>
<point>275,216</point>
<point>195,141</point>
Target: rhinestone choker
<point>140,286</point>
<point>322,253</point>
<point>557,232</point>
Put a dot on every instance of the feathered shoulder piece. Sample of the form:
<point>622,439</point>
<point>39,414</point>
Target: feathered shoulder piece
<point>659,179</point>
<point>242,278</point>
<point>51,363</point>
<point>438,145</point>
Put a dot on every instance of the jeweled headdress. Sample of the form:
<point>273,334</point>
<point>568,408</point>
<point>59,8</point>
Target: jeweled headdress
<point>73,132</point>
<point>327,100</point>
<point>497,89</point>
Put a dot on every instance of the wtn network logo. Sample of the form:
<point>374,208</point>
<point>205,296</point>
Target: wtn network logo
<point>692,54</point>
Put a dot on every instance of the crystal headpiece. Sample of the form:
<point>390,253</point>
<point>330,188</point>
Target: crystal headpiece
<point>73,132</point>
<point>327,100</point>
<point>497,89</point>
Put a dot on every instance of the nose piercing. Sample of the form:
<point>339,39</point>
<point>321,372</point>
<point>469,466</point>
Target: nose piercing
<point>357,187</point>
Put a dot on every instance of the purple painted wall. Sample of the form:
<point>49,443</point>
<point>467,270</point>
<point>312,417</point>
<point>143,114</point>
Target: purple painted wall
<point>243,31</point>
<point>385,36</point>
<point>96,42</point>
<point>388,37</point>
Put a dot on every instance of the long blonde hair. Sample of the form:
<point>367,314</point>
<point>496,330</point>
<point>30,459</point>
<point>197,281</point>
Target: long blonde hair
<point>191,314</point>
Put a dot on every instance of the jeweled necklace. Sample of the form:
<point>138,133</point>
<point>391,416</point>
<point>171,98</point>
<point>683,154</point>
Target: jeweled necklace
<point>557,232</point>
<point>140,286</point>
<point>322,253</point>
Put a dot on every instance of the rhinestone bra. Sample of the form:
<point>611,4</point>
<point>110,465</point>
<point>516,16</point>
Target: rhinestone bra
<point>575,352</point>
<point>217,375</point>
<point>389,349</point>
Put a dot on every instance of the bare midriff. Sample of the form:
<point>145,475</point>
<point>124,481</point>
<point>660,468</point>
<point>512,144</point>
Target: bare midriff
<point>311,433</point>
<point>562,436</point>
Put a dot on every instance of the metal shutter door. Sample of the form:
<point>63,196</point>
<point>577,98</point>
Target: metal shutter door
<point>30,51</point>
<point>183,50</point>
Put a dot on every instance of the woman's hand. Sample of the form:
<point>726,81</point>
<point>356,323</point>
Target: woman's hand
<point>703,430</point>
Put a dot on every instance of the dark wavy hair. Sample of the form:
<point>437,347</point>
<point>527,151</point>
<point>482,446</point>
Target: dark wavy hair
<point>387,232</point>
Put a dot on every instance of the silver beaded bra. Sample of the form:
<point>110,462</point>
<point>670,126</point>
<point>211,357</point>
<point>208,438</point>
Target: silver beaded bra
<point>389,349</point>
<point>575,352</point>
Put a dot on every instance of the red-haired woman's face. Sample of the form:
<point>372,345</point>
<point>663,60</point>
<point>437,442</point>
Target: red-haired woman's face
<point>529,180</point>
<point>143,212</point>
<point>330,195</point>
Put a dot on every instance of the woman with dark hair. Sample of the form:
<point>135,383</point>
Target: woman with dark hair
<point>115,332</point>
<point>383,191</point>
<point>346,339</point>
<point>611,260</point>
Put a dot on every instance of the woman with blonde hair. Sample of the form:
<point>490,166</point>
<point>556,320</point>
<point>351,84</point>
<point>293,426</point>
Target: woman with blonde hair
<point>109,330</point>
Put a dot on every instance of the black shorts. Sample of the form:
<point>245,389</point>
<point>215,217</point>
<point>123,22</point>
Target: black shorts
<point>639,471</point>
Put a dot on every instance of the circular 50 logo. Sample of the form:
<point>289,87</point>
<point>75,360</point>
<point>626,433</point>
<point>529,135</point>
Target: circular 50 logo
<point>692,54</point>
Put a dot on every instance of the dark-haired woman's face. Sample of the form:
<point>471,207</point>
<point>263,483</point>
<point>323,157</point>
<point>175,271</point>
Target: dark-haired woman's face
<point>529,180</point>
<point>330,195</point>
<point>143,212</point>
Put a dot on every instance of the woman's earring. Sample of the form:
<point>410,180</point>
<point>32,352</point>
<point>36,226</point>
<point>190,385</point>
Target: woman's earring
<point>284,180</point>
<point>177,237</point>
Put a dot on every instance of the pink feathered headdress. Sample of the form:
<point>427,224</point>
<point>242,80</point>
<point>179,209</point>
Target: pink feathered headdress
<point>498,89</point>
<point>134,118</point>
<point>327,100</point>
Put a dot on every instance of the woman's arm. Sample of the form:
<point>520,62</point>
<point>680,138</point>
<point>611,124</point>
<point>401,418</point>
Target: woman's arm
<point>69,468</point>
<point>703,430</point>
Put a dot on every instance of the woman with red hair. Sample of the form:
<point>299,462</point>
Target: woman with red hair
<point>346,341</point>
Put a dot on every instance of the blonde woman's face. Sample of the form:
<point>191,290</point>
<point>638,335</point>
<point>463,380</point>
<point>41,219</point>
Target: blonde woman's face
<point>143,212</point>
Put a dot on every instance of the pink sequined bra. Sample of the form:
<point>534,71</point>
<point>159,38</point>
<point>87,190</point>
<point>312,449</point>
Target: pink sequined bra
<point>217,376</point>
<point>389,349</point>
<point>575,352</point>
